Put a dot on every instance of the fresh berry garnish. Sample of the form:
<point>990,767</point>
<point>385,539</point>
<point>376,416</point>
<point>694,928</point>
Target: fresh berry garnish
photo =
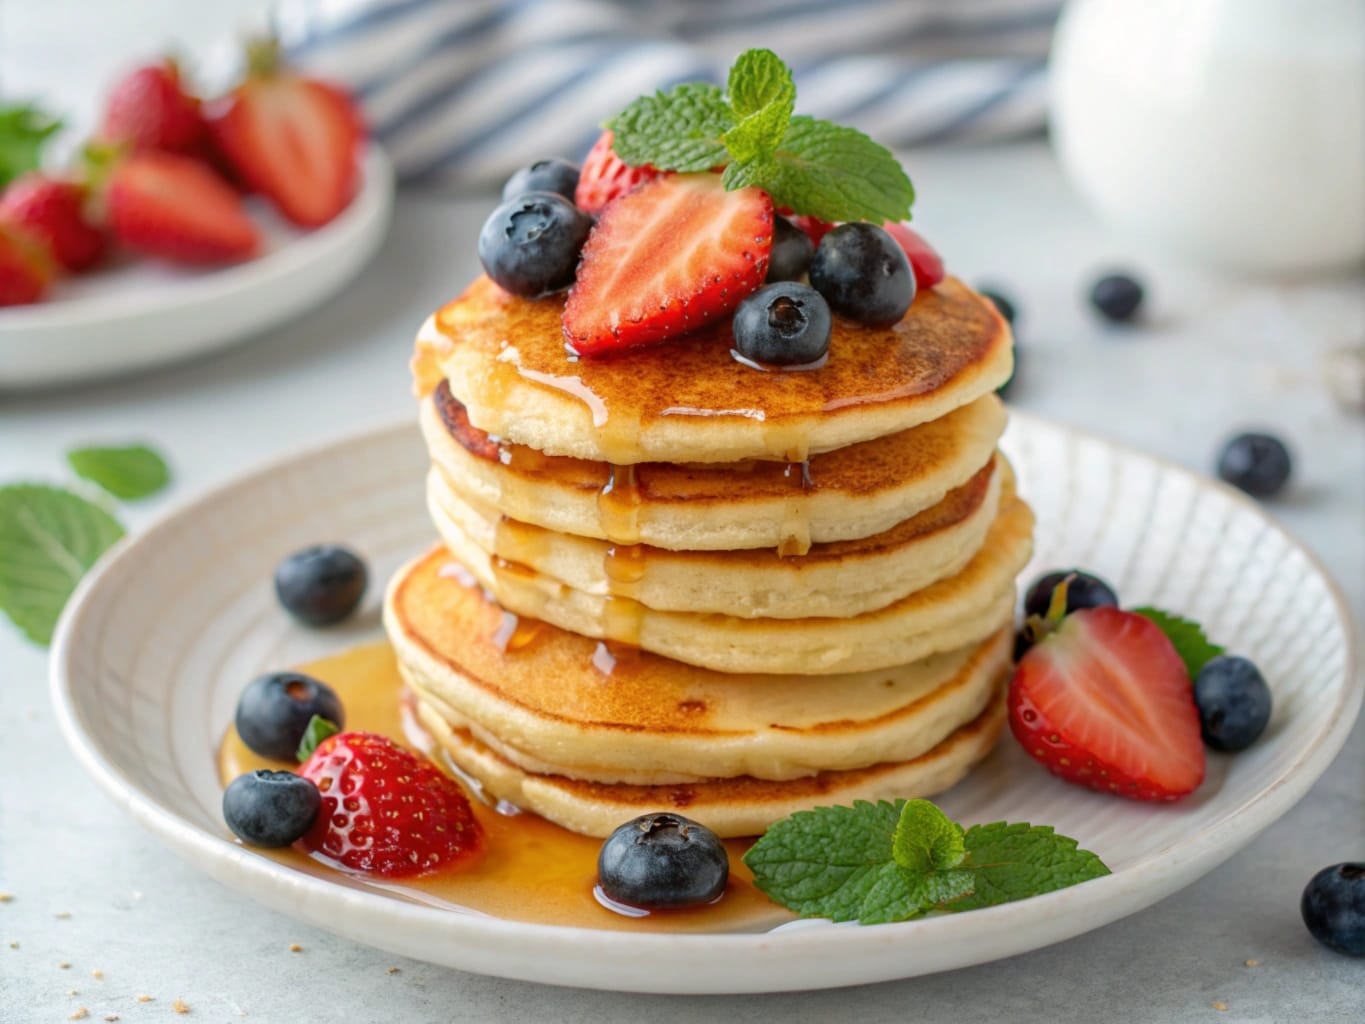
<point>663,861</point>
<point>814,228</point>
<point>386,811</point>
<point>1003,305</point>
<point>785,324</point>
<point>1083,591</point>
<point>174,207</point>
<point>1333,908</point>
<point>53,211</point>
<point>321,584</point>
<point>1104,701</point>
<point>924,261</point>
<point>26,267</point>
<point>791,253</point>
<point>553,175</point>
<point>268,808</point>
<point>149,108</point>
<point>604,177</point>
<point>1117,297</point>
<point>672,256</point>
<point>1258,464</point>
<point>1234,702</point>
<point>295,140</point>
<point>530,244</point>
<point>274,710</point>
<point>863,274</point>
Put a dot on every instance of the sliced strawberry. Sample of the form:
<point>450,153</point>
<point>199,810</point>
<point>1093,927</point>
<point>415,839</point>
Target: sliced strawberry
<point>604,176</point>
<point>927,264</point>
<point>53,210</point>
<point>172,206</point>
<point>386,811</point>
<point>1105,702</point>
<point>149,108</point>
<point>296,140</point>
<point>26,266</point>
<point>675,254</point>
<point>814,227</point>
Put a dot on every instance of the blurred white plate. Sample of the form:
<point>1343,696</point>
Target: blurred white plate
<point>151,655</point>
<point>139,314</point>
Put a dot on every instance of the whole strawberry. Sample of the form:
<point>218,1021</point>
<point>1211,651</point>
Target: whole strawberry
<point>149,108</point>
<point>25,267</point>
<point>386,811</point>
<point>53,210</point>
<point>604,176</point>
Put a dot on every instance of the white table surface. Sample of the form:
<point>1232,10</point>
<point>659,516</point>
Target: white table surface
<point>1216,356</point>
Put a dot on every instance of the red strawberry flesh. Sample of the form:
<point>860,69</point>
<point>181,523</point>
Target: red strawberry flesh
<point>172,206</point>
<point>52,210</point>
<point>1106,702</point>
<point>605,176</point>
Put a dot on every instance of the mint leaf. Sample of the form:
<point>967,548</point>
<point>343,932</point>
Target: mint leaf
<point>1186,636</point>
<point>837,173</point>
<point>128,473</point>
<point>900,894</point>
<point>318,729</point>
<point>926,839</point>
<point>678,130</point>
<point>1013,862</point>
<point>23,132</point>
<point>762,97</point>
<point>49,537</point>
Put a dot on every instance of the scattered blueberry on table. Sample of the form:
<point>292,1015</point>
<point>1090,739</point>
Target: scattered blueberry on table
<point>1003,305</point>
<point>1333,908</point>
<point>321,585</point>
<point>1117,297</point>
<point>270,808</point>
<point>274,711</point>
<point>1259,464</point>
<point>1234,702</point>
<point>663,861</point>
<point>786,323</point>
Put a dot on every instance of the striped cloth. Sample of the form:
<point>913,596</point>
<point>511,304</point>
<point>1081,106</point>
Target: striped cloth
<point>463,92</point>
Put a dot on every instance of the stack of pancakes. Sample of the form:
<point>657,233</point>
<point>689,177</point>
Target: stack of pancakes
<point>672,581</point>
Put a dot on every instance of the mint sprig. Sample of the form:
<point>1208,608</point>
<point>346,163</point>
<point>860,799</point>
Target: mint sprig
<point>814,167</point>
<point>883,862</point>
<point>318,729</point>
<point>1186,636</point>
<point>129,473</point>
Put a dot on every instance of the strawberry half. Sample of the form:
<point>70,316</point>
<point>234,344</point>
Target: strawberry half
<point>386,811</point>
<point>148,108</point>
<point>676,253</point>
<point>53,210</point>
<point>26,268</point>
<point>1105,701</point>
<point>295,140</point>
<point>924,261</point>
<point>604,177</point>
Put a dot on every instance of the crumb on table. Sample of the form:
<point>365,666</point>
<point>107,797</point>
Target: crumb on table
<point>143,998</point>
<point>180,1006</point>
<point>1251,963</point>
<point>80,1013</point>
<point>294,947</point>
<point>1218,1004</point>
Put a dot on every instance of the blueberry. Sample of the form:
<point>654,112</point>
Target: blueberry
<point>1257,463</point>
<point>1003,305</point>
<point>322,584</point>
<point>1084,591</point>
<point>1117,297</point>
<point>553,175</point>
<point>275,709</point>
<point>529,245</point>
<point>1333,908</point>
<point>792,251</point>
<point>785,323</point>
<point>660,861</point>
<point>863,273</point>
<point>1233,701</point>
<point>266,808</point>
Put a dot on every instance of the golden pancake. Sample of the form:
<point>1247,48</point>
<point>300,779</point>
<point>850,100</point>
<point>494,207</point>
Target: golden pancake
<point>688,401</point>
<point>853,493</point>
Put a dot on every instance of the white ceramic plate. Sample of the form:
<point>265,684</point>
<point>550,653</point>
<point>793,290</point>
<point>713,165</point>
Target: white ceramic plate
<point>151,654</point>
<point>141,313</point>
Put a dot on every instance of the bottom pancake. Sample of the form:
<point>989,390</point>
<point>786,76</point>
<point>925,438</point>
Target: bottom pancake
<point>742,806</point>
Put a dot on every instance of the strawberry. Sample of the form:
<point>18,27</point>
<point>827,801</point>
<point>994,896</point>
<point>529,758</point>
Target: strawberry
<point>167,205</point>
<point>295,140</point>
<point>386,811</point>
<point>52,210</point>
<point>675,254</point>
<point>26,267</point>
<point>604,176</point>
<point>1105,701</point>
<point>149,109</point>
<point>814,227</point>
<point>927,264</point>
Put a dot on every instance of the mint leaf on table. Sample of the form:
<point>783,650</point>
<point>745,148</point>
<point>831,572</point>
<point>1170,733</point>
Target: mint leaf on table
<point>876,863</point>
<point>1186,636</point>
<point>49,537</point>
<point>23,132</point>
<point>128,473</point>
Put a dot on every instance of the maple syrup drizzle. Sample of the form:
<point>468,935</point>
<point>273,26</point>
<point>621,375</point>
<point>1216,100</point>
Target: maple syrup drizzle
<point>516,632</point>
<point>618,506</point>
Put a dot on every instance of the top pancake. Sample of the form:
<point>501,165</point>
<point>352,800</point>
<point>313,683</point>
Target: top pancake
<point>688,399</point>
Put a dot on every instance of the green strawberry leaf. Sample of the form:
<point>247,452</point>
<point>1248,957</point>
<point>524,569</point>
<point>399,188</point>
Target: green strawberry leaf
<point>24,130</point>
<point>127,473</point>
<point>1186,636</point>
<point>318,729</point>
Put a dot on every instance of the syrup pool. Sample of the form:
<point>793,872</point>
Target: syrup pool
<point>531,870</point>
